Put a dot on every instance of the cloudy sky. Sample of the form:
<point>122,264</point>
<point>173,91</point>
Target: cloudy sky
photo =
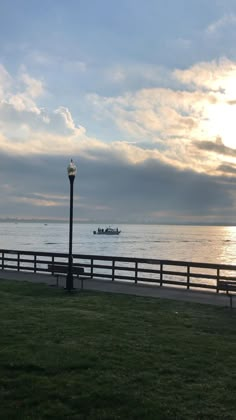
<point>142,95</point>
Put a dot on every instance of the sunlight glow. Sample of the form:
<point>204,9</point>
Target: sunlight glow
<point>220,122</point>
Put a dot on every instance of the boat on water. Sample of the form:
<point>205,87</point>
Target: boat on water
<point>107,231</point>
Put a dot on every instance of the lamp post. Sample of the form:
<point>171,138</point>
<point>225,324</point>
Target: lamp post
<point>71,169</point>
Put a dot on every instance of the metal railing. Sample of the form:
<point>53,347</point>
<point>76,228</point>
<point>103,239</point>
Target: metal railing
<point>184,274</point>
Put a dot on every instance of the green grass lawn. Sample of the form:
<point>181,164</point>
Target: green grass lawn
<point>105,356</point>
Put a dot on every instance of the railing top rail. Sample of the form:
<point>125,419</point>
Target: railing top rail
<point>41,253</point>
<point>124,259</point>
<point>159,261</point>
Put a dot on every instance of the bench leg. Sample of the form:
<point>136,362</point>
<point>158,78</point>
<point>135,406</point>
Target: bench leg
<point>231,301</point>
<point>81,281</point>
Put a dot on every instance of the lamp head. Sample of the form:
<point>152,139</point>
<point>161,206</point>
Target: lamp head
<point>71,169</point>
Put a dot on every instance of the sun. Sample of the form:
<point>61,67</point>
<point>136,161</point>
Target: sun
<point>226,125</point>
<point>229,140</point>
<point>221,119</point>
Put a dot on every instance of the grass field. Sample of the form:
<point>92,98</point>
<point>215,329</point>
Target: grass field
<point>103,356</point>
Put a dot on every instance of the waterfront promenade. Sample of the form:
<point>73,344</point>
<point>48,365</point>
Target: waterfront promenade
<point>197,296</point>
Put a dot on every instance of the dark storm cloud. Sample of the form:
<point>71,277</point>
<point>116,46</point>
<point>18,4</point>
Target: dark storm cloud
<point>109,190</point>
<point>153,186</point>
<point>216,147</point>
<point>227,169</point>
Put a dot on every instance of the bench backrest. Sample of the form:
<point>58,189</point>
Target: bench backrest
<point>63,268</point>
<point>227,285</point>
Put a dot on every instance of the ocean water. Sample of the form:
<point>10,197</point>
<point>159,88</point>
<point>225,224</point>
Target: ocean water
<point>214,244</point>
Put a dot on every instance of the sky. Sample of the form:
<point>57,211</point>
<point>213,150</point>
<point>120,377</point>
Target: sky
<point>142,96</point>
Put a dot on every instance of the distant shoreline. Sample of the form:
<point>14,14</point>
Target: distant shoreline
<point>46,221</point>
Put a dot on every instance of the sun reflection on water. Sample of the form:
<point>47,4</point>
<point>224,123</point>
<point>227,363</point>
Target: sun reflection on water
<point>228,245</point>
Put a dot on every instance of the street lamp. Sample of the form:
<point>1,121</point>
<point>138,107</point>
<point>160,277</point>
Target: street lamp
<point>71,169</point>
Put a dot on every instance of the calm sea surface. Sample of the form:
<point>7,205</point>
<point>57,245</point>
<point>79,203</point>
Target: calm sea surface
<point>216,244</point>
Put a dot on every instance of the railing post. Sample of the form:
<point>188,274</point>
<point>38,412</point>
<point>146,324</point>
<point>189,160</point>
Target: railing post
<point>161,274</point>
<point>52,264</point>
<point>188,276</point>
<point>18,261</point>
<point>35,263</point>
<point>3,255</point>
<point>136,272</point>
<point>91,272</point>
<point>217,280</point>
<point>113,271</point>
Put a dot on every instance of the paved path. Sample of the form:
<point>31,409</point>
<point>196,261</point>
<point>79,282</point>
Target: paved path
<point>211,298</point>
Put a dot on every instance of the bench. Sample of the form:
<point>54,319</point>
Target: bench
<point>228,287</point>
<point>59,269</point>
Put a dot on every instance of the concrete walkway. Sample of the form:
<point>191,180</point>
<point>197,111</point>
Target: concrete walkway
<point>210,298</point>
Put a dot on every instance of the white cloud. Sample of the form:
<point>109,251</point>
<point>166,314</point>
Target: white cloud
<point>182,43</point>
<point>218,25</point>
<point>74,65</point>
<point>156,123</point>
<point>23,122</point>
<point>21,92</point>
<point>5,82</point>
<point>36,202</point>
<point>136,74</point>
<point>177,120</point>
<point>212,76</point>
<point>34,87</point>
<point>43,59</point>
